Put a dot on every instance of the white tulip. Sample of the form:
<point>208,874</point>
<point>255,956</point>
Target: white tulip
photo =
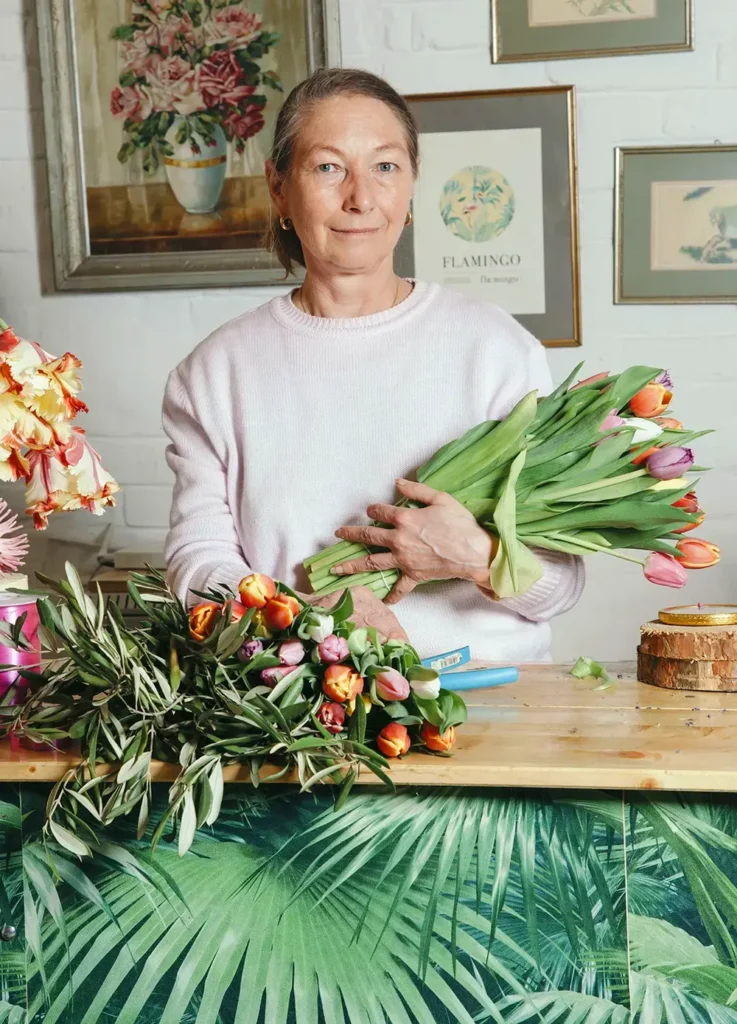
<point>645,430</point>
<point>322,628</point>
<point>426,689</point>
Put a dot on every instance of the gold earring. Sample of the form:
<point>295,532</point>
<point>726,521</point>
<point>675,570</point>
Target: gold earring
<point>286,223</point>
<point>408,219</point>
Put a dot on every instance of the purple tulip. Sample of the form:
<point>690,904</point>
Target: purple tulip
<point>333,649</point>
<point>669,463</point>
<point>665,379</point>
<point>250,649</point>
<point>274,675</point>
<point>291,652</point>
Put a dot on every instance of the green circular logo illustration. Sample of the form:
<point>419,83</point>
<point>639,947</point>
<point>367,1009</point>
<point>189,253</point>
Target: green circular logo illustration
<point>477,203</point>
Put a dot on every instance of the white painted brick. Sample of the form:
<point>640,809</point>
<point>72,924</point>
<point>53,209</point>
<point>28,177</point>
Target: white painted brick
<point>15,135</point>
<point>701,116</point>
<point>17,206</point>
<point>451,25</point>
<point>397,28</point>
<point>135,460</point>
<point>12,42</point>
<point>147,506</point>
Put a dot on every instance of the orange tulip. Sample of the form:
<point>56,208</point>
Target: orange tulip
<point>237,610</point>
<point>651,401</point>
<point>697,554</point>
<point>202,619</point>
<point>643,457</point>
<point>393,740</point>
<point>255,590</point>
<point>434,741</point>
<point>668,423</point>
<point>341,683</point>
<point>281,611</point>
<point>690,503</point>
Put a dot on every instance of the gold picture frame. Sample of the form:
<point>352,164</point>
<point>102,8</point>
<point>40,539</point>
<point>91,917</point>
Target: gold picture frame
<point>675,225</point>
<point>516,38</point>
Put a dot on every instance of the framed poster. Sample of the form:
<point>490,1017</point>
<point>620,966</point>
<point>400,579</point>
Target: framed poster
<point>495,208</point>
<point>159,115</point>
<point>525,30</point>
<point>676,225</point>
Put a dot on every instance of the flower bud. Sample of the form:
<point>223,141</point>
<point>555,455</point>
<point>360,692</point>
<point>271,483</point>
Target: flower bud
<point>332,717</point>
<point>237,610</point>
<point>341,683</point>
<point>690,503</point>
<point>668,423</point>
<point>281,611</point>
<point>645,430</point>
<point>333,649</point>
<point>665,571</point>
<point>291,652</point>
<point>275,674</point>
<point>391,685</point>
<point>358,642</point>
<point>250,649</point>
<point>202,619</point>
<point>613,422</point>
<point>426,689</point>
<point>321,627</point>
<point>255,590</point>
<point>590,380</point>
<point>697,554</point>
<point>651,401</point>
<point>434,741</point>
<point>669,463</point>
<point>393,740</point>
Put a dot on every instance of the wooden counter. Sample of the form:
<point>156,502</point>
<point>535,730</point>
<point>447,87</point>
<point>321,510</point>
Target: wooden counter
<point>548,730</point>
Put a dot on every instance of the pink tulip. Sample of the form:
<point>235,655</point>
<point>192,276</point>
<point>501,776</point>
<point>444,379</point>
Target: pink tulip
<point>391,685</point>
<point>333,649</point>
<point>590,380</point>
<point>612,422</point>
<point>291,652</point>
<point>665,571</point>
<point>670,463</point>
<point>275,674</point>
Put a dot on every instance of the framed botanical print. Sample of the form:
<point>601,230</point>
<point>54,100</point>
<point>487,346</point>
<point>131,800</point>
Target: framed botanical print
<point>159,115</point>
<point>495,207</point>
<point>525,30</point>
<point>676,225</point>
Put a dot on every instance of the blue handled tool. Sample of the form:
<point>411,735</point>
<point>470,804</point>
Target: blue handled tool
<point>475,679</point>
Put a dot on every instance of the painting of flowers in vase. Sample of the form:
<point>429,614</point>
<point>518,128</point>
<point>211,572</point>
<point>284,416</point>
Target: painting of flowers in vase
<point>177,102</point>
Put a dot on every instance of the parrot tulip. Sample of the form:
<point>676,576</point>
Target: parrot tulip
<point>202,619</point>
<point>256,590</point>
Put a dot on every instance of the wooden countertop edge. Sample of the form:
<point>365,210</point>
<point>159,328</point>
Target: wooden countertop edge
<point>424,770</point>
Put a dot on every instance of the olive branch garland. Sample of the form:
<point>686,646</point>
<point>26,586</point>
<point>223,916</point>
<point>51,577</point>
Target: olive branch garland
<point>133,694</point>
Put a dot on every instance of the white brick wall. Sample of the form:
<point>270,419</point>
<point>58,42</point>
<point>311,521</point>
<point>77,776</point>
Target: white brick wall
<point>128,342</point>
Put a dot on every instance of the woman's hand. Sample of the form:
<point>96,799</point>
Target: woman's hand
<point>439,542</point>
<point>368,610</point>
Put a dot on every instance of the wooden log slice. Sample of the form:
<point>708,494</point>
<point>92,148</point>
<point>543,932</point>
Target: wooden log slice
<point>688,657</point>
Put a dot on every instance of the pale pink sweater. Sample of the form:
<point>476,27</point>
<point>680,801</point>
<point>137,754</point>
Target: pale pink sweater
<point>285,426</point>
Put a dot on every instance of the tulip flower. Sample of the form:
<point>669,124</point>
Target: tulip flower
<point>332,716</point>
<point>645,430</point>
<point>644,456</point>
<point>275,674</point>
<point>426,689</point>
<point>202,619</point>
<point>237,610</point>
<point>690,503</point>
<point>651,401</point>
<point>697,554</point>
<point>258,625</point>
<point>341,683</point>
<point>281,611</point>
<point>668,423</point>
<point>358,642</point>
<point>291,652</point>
<point>393,740</point>
<point>321,627</point>
<point>664,378</point>
<point>613,422</point>
<point>333,649</point>
<point>590,380</point>
<point>256,590</point>
<point>433,740</point>
<point>669,463</point>
<point>391,685</point>
<point>250,649</point>
<point>665,571</point>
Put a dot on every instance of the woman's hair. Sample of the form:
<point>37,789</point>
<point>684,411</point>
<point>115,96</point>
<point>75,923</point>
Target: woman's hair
<point>321,85</point>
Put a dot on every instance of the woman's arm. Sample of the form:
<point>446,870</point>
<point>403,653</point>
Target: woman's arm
<point>202,548</point>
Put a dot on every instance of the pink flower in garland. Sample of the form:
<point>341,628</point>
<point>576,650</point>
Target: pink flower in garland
<point>132,103</point>
<point>232,25</point>
<point>175,86</point>
<point>13,541</point>
<point>242,125</point>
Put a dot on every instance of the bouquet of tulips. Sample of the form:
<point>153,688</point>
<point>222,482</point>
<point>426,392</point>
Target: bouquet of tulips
<point>240,679</point>
<point>593,467</point>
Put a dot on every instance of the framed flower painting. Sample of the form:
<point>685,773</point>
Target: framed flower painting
<point>525,30</point>
<point>159,115</point>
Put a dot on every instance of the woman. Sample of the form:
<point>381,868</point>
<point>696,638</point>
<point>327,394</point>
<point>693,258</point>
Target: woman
<point>291,423</point>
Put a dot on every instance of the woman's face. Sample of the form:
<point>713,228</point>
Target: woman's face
<point>350,185</point>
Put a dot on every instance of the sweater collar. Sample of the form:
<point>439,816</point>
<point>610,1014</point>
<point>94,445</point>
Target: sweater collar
<point>286,313</point>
